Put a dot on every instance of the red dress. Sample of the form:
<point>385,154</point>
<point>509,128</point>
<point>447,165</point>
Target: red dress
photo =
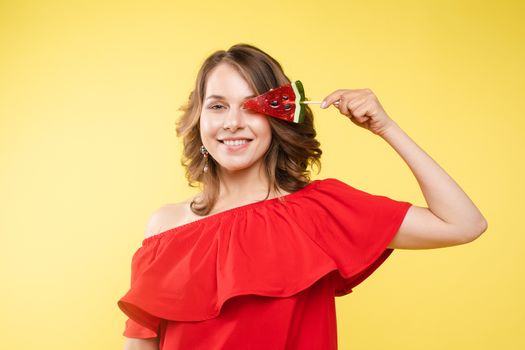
<point>263,275</point>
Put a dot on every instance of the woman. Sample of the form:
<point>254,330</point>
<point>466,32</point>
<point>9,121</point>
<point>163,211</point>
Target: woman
<point>255,260</point>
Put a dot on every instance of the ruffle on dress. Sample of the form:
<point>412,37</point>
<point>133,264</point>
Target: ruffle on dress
<point>275,248</point>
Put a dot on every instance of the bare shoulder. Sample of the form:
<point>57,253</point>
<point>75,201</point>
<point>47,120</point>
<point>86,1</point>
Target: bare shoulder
<point>167,217</point>
<point>141,343</point>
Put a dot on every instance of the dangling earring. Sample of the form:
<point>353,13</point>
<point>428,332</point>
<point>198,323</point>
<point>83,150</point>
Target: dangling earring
<point>205,153</point>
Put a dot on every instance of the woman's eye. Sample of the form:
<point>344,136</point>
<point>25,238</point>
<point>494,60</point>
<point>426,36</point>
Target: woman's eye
<point>213,107</point>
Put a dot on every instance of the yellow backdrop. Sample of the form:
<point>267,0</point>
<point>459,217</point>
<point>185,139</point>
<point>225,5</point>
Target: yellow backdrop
<point>89,92</point>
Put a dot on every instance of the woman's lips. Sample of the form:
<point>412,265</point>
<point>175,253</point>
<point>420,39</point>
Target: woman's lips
<point>232,148</point>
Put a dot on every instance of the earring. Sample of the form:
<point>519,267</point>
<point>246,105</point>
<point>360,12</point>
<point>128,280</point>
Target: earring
<point>205,153</point>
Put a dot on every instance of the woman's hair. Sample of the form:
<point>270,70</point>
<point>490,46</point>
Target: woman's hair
<point>292,149</point>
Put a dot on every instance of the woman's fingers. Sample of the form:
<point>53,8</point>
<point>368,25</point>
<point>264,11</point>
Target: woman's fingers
<point>343,105</point>
<point>328,100</point>
<point>362,107</point>
<point>337,95</point>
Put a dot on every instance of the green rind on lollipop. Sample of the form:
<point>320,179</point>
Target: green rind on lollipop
<point>299,112</point>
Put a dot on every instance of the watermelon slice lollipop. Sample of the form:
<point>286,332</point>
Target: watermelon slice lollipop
<point>284,102</point>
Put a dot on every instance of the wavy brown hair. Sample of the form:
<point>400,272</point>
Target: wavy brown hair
<point>293,147</point>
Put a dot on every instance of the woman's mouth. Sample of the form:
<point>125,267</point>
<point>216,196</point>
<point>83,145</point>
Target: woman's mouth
<point>234,145</point>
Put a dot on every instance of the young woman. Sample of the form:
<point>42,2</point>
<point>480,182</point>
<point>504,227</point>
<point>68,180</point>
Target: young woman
<point>255,260</point>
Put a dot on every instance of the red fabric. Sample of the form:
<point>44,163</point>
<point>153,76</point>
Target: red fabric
<point>263,275</point>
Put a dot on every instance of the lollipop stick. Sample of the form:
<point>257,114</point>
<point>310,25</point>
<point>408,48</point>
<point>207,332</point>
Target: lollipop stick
<point>317,102</point>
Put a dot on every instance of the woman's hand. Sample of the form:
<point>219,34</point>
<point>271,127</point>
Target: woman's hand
<point>362,107</point>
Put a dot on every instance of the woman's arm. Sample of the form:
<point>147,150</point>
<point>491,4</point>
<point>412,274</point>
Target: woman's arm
<point>141,344</point>
<point>451,218</point>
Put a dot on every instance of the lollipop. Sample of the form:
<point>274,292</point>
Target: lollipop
<point>285,102</point>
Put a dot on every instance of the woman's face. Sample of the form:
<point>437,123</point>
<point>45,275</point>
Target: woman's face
<point>223,118</point>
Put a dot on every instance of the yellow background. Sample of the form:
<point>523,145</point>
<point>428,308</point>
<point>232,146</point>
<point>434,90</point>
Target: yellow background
<point>89,92</point>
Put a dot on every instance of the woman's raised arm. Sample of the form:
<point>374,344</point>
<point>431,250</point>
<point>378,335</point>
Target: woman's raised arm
<point>451,217</point>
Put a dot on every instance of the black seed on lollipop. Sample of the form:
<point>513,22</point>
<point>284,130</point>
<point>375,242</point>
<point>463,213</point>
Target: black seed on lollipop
<point>285,97</point>
<point>287,106</point>
<point>275,103</point>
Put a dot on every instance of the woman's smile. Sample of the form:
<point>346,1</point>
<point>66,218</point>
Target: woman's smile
<point>235,145</point>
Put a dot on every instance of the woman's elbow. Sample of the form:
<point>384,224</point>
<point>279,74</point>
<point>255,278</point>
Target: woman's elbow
<point>476,231</point>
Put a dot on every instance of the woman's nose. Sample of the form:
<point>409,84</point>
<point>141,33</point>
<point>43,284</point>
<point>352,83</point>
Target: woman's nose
<point>234,117</point>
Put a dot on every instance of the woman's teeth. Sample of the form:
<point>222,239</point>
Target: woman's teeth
<point>234,143</point>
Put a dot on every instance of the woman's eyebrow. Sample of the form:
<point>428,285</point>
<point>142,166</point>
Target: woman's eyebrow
<point>223,98</point>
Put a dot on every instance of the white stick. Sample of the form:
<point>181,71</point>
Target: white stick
<point>317,102</point>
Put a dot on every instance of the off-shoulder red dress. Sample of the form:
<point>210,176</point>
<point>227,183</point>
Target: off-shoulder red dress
<point>262,275</point>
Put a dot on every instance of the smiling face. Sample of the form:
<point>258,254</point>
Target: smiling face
<point>223,117</point>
